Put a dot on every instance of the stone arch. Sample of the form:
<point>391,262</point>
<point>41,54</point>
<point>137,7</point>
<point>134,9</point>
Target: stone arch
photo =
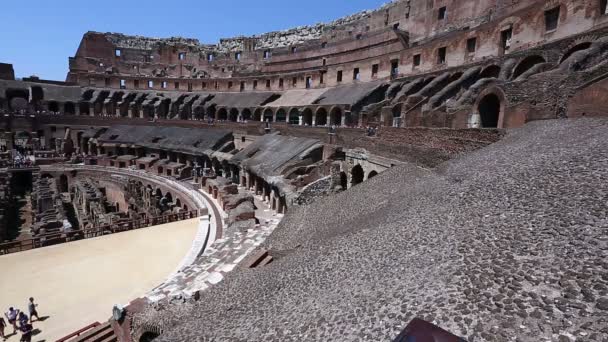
<point>321,117</point>
<point>281,115</point>
<point>17,99</point>
<point>246,114</point>
<point>148,336</point>
<point>85,108</point>
<point>178,203</point>
<point>268,115</point>
<point>210,112</point>
<point>257,114</point>
<point>372,174</point>
<point>356,175</point>
<point>234,114</point>
<point>69,108</point>
<point>222,114</point>
<point>63,183</point>
<point>294,116</point>
<point>578,47</point>
<point>307,117</point>
<point>163,108</point>
<point>489,109</point>
<point>53,106</point>
<point>526,64</point>
<point>335,116</point>
<point>491,71</point>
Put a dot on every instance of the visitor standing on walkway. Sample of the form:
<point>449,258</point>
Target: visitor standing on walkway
<point>31,307</point>
<point>2,326</point>
<point>11,316</point>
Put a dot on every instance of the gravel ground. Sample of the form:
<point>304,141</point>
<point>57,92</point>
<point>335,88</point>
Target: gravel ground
<point>507,243</point>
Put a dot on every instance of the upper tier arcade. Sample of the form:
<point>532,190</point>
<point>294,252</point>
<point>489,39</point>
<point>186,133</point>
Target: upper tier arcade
<point>401,38</point>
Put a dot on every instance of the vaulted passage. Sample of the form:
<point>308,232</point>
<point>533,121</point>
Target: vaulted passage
<point>307,117</point>
<point>357,175</point>
<point>489,111</point>
<point>526,65</point>
<point>321,117</point>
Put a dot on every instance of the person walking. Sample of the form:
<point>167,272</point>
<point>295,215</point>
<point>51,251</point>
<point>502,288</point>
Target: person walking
<point>11,316</point>
<point>2,326</point>
<point>31,307</point>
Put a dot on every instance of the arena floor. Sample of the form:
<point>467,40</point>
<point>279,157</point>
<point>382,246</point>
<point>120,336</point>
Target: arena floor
<point>76,284</point>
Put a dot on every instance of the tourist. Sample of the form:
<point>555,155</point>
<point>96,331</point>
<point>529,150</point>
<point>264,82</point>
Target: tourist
<point>11,316</point>
<point>23,319</point>
<point>31,307</point>
<point>2,326</point>
<point>26,332</point>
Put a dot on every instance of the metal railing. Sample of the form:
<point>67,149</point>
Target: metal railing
<point>50,239</point>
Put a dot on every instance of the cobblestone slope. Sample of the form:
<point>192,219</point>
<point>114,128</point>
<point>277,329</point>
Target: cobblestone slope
<point>507,243</point>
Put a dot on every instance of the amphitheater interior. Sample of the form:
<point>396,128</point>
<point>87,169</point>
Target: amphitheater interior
<point>436,164</point>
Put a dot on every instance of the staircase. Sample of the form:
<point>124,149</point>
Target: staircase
<point>95,332</point>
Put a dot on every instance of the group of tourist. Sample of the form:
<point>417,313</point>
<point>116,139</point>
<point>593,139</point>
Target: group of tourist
<point>20,321</point>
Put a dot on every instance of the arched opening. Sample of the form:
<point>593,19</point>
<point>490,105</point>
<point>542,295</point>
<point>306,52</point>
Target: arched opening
<point>246,114</point>
<point>178,203</point>
<point>268,115</point>
<point>257,114</point>
<point>396,111</point>
<point>294,116</point>
<point>148,337</point>
<point>53,107</point>
<point>37,94</point>
<point>210,112</point>
<point>234,114</point>
<point>307,117</point>
<point>163,108</point>
<point>526,65</point>
<point>321,117</point>
<point>63,183</point>
<point>335,116</point>
<point>492,71</point>
<point>343,180</point>
<point>357,175</point>
<point>17,99</point>
<point>281,115</point>
<point>372,174</point>
<point>84,108</point>
<point>222,114</point>
<point>489,111</point>
<point>572,50</point>
<point>69,108</point>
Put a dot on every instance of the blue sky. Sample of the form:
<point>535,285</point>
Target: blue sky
<point>38,36</point>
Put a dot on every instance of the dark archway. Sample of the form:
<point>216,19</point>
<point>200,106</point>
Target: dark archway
<point>335,116</point>
<point>53,107</point>
<point>492,71</point>
<point>210,112</point>
<point>572,50</point>
<point>246,114</point>
<point>294,116</point>
<point>526,65</point>
<point>372,174</point>
<point>307,117</point>
<point>357,175</point>
<point>321,117</point>
<point>222,114</point>
<point>281,115</point>
<point>63,183</point>
<point>257,114</point>
<point>148,337</point>
<point>489,111</point>
<point>268,115</point>
<point>84,108</point>
<point>17,99</point>
<point>234,114</point>
<point>69,108</point>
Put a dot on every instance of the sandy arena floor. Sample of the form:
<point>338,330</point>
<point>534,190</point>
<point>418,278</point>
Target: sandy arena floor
<point>76,284</point>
